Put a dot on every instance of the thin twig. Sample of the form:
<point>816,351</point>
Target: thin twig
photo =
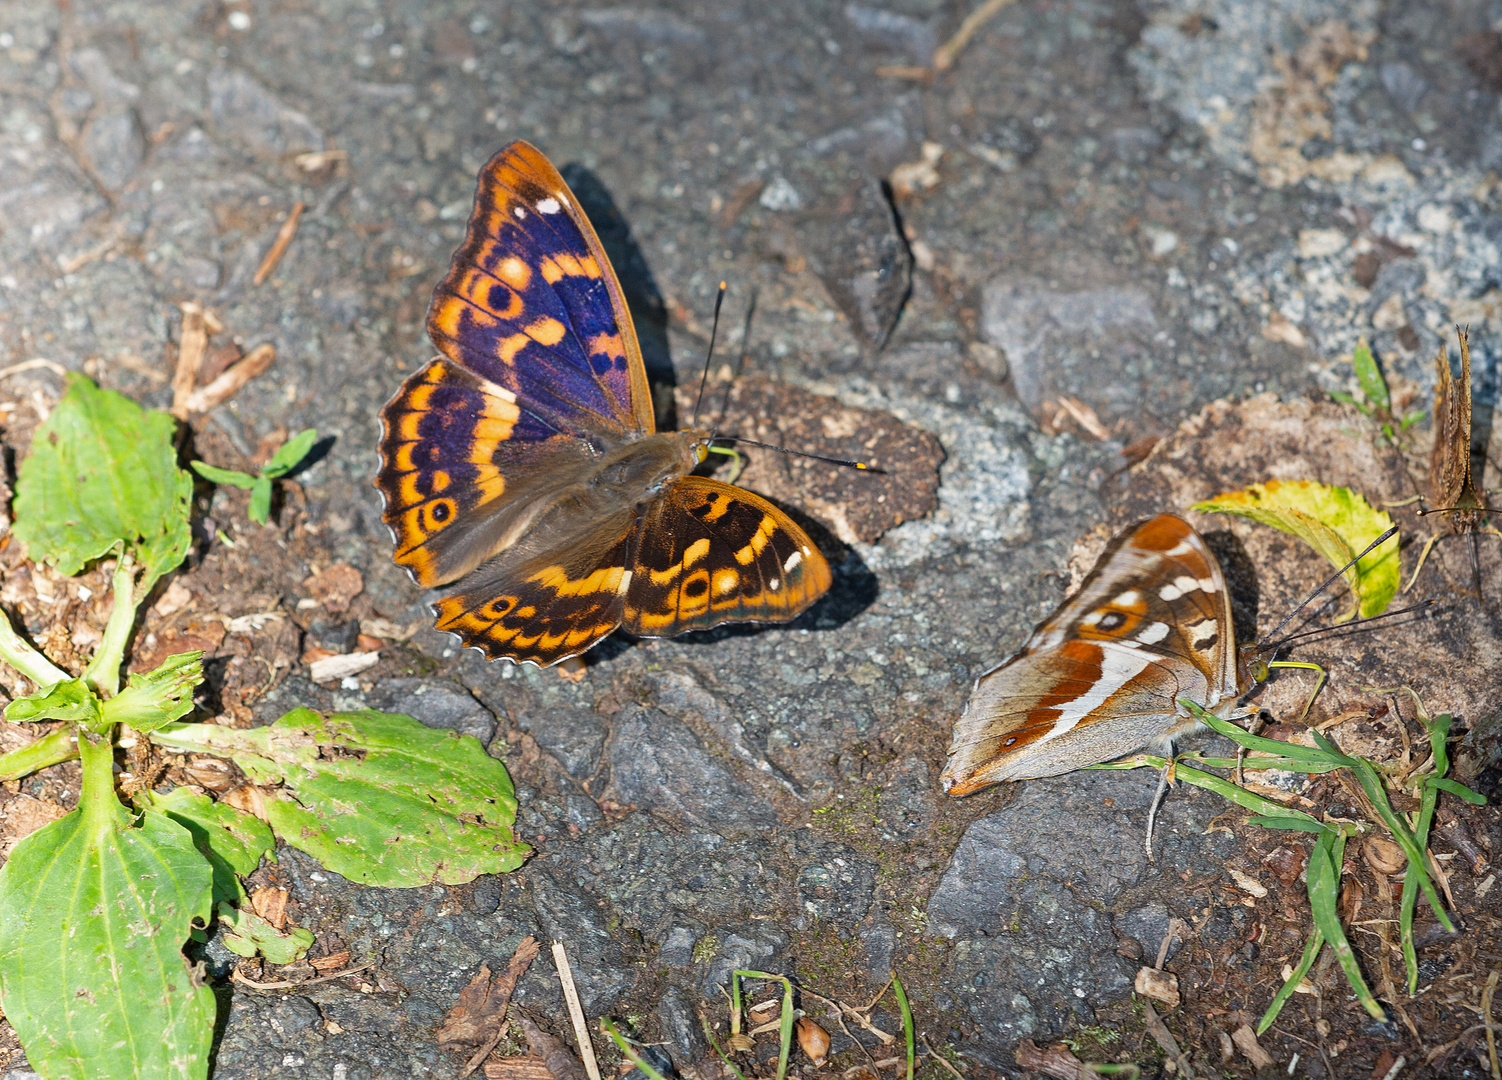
<point>946,54</point>
<point>940,1059</point>
<point>575,1011</point>
<point>32,365</point>
<point>287,984</point>
<point>278,247</point>
<point>1486,1018</point>
<point>837,1010</point>
<point>235,376</point>
<point>191,344</point>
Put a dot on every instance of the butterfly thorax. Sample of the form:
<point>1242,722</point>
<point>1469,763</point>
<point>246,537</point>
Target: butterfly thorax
<point>638,471</point>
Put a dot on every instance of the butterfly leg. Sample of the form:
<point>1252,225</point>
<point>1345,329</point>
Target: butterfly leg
<point>1423,555</point>
<point>1165,781</point>
<point>738,461</point>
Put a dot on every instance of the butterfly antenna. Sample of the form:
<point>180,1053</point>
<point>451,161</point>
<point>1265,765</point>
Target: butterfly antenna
<point>842,462</point>
<point>1351,627</point>
<point>714,331</point>
<point>1333,578</point>
<point>740,365</point>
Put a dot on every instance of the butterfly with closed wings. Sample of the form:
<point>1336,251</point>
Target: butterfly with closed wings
<point>1103,676</point>
<point>524,467</point>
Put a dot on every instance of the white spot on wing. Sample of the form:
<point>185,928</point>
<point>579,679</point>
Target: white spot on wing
<point>1152,633</point>
<point>774,584</point>
<point>793,560</point>
<point>1130,598</point>
<point>1181,586</point>
<point>1117,667</point>
<point>1208,584</point>
<point>1183,547</point>
<point>519,212</point>
<point>549,205</point>
<point>1092,618</point>
<point>625,583</point>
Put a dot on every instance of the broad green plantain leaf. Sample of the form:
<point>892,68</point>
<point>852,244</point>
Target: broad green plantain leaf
<point>103,470</point>
<point>291,453</point>
<point>1336,522</point>
<point>376,797</point>
<point>158,697</point>
<point>246,934</point>
<point>71,700</point>
<point>215,475</point>
<point>232,841</point>
<point>93,915</point>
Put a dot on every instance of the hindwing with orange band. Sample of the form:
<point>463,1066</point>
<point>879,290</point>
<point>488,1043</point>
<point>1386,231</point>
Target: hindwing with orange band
<point>710,553</point>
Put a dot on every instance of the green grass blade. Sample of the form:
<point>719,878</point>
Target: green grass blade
<point>1290,987</point>
<point>607,1025</point>
<point>1268,746</point>
<point>786,1031</point>
<point>1456,788</point>
<point>1323,878</point>
<point>1248,800</point>
<point>1369,376</point>
<point>709,1034</point>
<point>907,1023</point>
<point>1371,783</point>
<point>1287,823</point>
<point>291,454</point>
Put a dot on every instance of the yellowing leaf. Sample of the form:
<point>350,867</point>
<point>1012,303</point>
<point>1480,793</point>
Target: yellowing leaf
<point>1335,521</point>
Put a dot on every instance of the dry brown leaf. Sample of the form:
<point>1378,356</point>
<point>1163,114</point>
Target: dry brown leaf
<point>561,1063</point>
<point>478,1018</point>
<point>527,1067</point>
<point>1056,1061</point>
<point>1159,985</point>
<point>270,903</point>
<point>1246,1041</point>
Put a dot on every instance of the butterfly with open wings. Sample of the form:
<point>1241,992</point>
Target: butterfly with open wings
<point>1103,675</point>
<point>524,467</point>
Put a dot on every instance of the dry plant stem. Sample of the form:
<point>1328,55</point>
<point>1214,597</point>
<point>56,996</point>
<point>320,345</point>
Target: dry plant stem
<point>278,247</point>
<point>945,54</point>
<point>33,365</point>
<point>285,984</point>
<point>235,376</point>
<point>1165,1039</point>
<point>575,1011</point>
<point>190,349</point>
<point>936,1056</point>
<point>1486,1018</point>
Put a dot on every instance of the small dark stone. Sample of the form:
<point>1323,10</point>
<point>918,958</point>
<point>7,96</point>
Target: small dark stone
<point>485,894</point>
<point>680,1026</point>
<point>335,635</point>
<point>294,1015</point>
<point>863,259</point>
<point>436,703</point>
<point>654,1056</point>
<point>573,736</point>
<point>658,763</point>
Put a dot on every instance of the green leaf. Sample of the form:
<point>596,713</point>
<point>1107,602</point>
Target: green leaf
<point>1346,399</point>
<point>1412,418</point>
<point>1456,788</point>
<point>246,934</point>
<point>377,798</point>
<point>232,841</point>
<point>291,453</point>
<point>215,475</point>
<point>1323,879</point>
<point>1336,522</point>
<point>1291,984</point>
<point>1369,376</point>
<point>93,915</point>
<point>1306,758</point>
<point>158,697</point>
<point>259,510</point>
<point>72,700</point>
<point>103,470</point>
